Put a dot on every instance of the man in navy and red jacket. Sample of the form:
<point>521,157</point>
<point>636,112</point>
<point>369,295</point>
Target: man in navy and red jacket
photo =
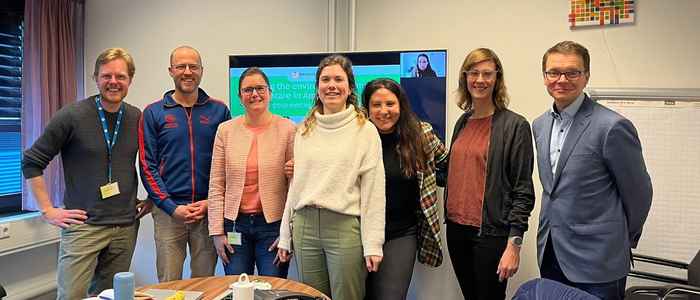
<point>176,136</point>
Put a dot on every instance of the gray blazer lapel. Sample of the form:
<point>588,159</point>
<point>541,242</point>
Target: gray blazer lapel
<point>581,121</point>
<point>547,182</point>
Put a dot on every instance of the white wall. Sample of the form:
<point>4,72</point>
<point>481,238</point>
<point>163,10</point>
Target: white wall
<point>151,29</point>
<point>659,51</point>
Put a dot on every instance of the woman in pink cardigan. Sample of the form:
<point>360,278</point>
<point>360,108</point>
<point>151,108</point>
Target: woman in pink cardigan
<point>248,186</point>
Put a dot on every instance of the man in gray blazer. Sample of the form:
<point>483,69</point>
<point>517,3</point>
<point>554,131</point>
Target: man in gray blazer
<point>596,189</point>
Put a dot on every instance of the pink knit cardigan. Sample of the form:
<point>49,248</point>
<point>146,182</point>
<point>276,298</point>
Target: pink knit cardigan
<point>228,166</point>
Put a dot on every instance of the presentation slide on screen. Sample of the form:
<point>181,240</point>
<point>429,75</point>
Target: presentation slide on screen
<point>292,80</point>
<point>293,88</point>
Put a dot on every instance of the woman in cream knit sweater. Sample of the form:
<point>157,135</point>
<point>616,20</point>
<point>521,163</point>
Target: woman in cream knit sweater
<point>334,216</point>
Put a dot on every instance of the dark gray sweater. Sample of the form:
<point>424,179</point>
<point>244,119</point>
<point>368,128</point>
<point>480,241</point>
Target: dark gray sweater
<point>76,132</point>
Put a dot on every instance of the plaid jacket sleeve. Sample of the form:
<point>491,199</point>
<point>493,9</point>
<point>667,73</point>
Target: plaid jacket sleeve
<point>429,241</point>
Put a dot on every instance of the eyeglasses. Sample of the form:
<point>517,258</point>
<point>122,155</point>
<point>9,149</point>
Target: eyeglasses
<point>486,74</point>
<point>261,89</point>
<point>183,67</point>
<point>570,75</point>
<point>117,77</point>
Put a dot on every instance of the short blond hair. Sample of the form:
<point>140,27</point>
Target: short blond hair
<point>569,47</point>
<point>115,53</point>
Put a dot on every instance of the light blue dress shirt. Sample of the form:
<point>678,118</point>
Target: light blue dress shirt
<point>560,129</point>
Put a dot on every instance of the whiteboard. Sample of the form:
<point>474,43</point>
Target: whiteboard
<point>668,123</point>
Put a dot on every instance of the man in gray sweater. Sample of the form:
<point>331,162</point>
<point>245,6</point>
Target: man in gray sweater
<point>97,140</point>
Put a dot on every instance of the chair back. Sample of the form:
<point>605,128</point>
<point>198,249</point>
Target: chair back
<point>694,270</point>
<point>545,289</point>
<point>694,274</point>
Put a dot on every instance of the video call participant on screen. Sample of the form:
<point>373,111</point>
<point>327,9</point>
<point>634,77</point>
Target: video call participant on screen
<point>410,152</point>
<point>335,206</point>
<point>176,137</point>
<point>423,68</point>
<point>489,193</point>
<point>596,189</point>
<point>248,186</point>
<point>97,140</point>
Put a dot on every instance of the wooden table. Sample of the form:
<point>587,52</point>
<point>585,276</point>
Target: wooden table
<point>215,285</point>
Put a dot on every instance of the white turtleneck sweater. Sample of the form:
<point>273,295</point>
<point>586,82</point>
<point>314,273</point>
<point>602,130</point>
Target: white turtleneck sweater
<point>338,166</point>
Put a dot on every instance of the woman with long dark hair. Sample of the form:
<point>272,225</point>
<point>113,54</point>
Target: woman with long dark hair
<point>410,152</point>
<point>423,68</point>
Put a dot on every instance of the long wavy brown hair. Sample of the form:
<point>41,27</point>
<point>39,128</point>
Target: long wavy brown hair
<point>410,147</point>
<point>346,64</point>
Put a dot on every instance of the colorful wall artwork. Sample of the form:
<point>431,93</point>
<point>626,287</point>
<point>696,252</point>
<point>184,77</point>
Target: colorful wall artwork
<point>586,13</point>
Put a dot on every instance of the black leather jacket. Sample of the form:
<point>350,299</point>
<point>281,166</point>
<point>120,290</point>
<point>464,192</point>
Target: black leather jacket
<point>509,195</point>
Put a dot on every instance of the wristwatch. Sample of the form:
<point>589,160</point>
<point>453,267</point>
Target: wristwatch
<point>516,240</point>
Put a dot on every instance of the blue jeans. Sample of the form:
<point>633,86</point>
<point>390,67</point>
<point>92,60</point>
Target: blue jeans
<point>256,237</point>
<point>550,269</point>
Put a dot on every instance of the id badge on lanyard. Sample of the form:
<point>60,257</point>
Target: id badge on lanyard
<point>234,238</point>
<point>111,188</point>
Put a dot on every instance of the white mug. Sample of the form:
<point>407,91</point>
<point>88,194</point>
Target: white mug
<point>243,289</point>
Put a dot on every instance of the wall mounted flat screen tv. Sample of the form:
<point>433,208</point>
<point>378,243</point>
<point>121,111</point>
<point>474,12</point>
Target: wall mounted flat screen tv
<point>422,73</point>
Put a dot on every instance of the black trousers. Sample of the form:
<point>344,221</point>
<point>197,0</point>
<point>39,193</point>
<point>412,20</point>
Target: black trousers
<point>392,280</point>
<point>475,261</point>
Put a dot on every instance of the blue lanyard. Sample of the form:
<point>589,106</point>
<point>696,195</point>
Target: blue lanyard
<point>105,130</point>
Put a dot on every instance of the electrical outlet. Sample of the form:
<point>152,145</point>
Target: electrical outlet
<point>4,231</point>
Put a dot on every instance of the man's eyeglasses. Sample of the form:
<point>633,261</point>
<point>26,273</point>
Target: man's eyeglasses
<point>261,89</point>
<point>183,67</point>
<point>570,75</point>
<point>486,74</point>
<point>117,77</point>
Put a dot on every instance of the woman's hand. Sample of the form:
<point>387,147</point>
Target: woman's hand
<point>274,244</point>
<point>289,168</point>
<point>273,247</point>
<point>510,260</point>
<point>221,244</point>
<point>372,262</point>
<point>282,257</point>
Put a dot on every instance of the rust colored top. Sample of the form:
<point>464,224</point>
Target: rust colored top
<point>250,200</point>
<point>466,176</point>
